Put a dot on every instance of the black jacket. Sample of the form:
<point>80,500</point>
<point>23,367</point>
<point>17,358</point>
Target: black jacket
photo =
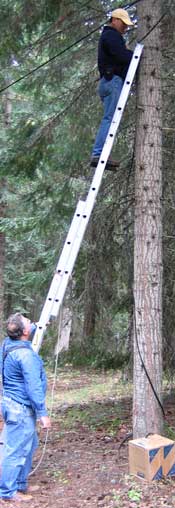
<point>113,56</point>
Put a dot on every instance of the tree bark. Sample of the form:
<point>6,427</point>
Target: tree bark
<point>2,264</point>
<point>64,330</point>
<point>7,110</point>
<point>147,413</point>
<point>91,285</point>
<point>7,106</point>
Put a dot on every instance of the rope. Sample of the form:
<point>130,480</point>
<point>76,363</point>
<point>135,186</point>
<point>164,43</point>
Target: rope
<point>52,399</point>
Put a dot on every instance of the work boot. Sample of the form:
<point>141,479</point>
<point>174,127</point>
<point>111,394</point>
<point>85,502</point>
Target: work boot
<point>110,165</point>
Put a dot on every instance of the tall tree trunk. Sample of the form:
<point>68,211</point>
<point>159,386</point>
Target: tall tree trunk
<point>7,110</point>
<point>2,263</point>
<point>147,414</point>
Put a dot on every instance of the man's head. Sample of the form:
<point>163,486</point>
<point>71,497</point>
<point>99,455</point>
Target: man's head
<point>18,327</point>
<point>120,20</point>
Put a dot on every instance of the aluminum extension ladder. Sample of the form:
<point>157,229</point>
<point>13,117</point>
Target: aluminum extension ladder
<point>82,215</point>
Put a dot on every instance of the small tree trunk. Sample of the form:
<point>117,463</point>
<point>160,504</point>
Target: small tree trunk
<point>91,286</point>
<point>65,325</point>
<point>7,105</point>
<point>2,264</point>
<point>147,414</point>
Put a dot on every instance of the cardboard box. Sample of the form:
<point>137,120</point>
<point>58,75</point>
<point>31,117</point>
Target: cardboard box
<point>152,458</point>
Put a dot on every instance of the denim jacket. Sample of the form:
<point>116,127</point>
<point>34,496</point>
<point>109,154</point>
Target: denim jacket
<point>24,376</point>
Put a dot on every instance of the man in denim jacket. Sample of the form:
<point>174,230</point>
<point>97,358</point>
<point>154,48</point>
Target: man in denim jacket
<point>23,403</point>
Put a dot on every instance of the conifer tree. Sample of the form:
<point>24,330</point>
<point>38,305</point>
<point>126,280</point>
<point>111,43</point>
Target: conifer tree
<point>147,412</point>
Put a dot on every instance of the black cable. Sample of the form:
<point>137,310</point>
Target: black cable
<point>75,43</point>
<point>153,27</point>
<point>45,38</point>
<point>61,52</point>
<point>142,362</point>
<point>47,61</point>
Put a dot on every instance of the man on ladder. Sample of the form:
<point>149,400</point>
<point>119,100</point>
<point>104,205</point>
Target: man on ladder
<point>113,62</point>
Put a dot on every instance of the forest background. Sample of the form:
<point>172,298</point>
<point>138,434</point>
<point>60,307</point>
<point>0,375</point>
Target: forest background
<point>48,124</point>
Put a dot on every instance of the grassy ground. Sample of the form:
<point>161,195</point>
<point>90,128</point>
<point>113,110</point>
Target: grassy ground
<point>84,386</point>
<point>85,464</point>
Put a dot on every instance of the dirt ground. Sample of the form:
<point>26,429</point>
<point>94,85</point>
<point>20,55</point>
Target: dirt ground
<point>84,465</point>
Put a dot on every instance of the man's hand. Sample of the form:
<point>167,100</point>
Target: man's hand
<point>45,422</point>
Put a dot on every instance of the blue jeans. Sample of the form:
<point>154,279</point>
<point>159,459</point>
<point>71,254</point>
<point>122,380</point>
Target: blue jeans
<point>109,92</point>
<point>20,443</point>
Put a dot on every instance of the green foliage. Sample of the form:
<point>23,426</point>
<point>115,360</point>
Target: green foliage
<point>169,431</point>
<point>45,155</point>
<point>94,417</point>
<point>45,149</point>
<point>134,495</point>
<point>105,350</point>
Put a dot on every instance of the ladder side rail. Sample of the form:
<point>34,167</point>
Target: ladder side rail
<point>46,311</point>
<point>67,267</point>
<point>64,280</point>
<point>70,236</point>
<point>70,265</point>
<point>38,337</point>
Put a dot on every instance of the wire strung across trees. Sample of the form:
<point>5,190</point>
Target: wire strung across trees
<point>29,73</point>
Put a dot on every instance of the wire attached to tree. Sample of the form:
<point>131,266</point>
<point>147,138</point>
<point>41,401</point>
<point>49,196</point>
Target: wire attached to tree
<point>142,362</point>
<point>153,27</point>
<point>70,47</point>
